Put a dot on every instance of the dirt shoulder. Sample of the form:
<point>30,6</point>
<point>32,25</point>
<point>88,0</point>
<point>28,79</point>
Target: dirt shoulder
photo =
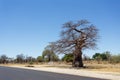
<point>72,71</point>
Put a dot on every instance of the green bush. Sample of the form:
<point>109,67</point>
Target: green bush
<point>115,59</point>
<point>103,56</point>
<point>40,59</point>
<point>68,58</point>
<point>106,56</point>
<point>31,63</point>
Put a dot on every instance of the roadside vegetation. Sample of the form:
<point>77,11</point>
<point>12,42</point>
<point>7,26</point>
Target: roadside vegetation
<point>46,57</point>
<point>105,61</point>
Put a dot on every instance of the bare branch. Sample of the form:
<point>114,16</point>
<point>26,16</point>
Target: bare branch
<point>81,35</point>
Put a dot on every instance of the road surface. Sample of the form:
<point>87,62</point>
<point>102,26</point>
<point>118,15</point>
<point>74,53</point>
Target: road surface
<point>7,73</point>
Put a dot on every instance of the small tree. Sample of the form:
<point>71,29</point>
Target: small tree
<point>96,55</point>
<point>20,58</point>
<point>106,56</point>
<point>115,59</point>
<point>30,59</point>
<point>68,58</point>
<point>40,59</point>
<point>3,59</point>
<point>49,54</point>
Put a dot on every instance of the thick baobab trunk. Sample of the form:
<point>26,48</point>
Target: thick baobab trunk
<point>77,60</point>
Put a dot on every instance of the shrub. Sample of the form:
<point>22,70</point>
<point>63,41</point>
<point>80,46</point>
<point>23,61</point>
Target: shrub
<point>115,59</point>
<point>103,56</point>
<point>68,57</point>
<point>40,59</point>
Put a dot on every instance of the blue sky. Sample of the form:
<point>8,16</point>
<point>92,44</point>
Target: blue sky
<point>27,26</point>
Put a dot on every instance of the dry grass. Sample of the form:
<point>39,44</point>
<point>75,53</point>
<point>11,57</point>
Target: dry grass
<point>89,65</point>
<point>103,66</point>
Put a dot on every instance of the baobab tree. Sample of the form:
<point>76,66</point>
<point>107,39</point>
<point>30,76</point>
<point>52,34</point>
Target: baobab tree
<point>76,37</point>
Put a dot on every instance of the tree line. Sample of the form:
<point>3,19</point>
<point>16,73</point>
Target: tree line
<point>49,56</point>
<point>106,56</point>
<point>46,56</point>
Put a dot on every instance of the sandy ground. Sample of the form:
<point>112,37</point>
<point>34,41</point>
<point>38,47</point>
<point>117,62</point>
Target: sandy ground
<point>72,71</point>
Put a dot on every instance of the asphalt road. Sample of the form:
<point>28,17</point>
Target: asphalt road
<point>7,73</point>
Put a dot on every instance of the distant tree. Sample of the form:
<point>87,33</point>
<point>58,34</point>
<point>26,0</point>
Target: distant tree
<point>3,59</point>
<point>108,55</point>
<point>68,57</point>
<point>115,59</point>
<point>85,57</point>
<point>10,60</point>
<point>20,58</point>
<point>96,55</point>
<point>40,59</point>
<point>103,56</point>
<point>55,57</point>
<point>30,59</point>
<point>49,53</point>
<point>76,37</point>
